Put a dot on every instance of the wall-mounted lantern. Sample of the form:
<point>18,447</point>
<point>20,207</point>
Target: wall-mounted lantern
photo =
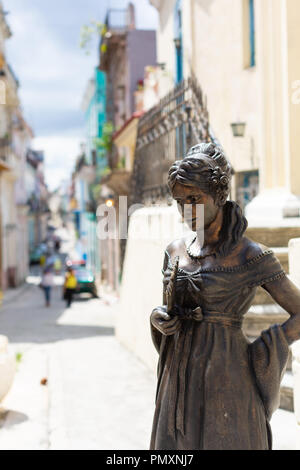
<point>161,65</point>
<point>177,42</point>
<point>110,202</point>
<point>238,129</point>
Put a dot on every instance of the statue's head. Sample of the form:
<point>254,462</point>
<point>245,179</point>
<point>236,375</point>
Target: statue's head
<point>202,177</point>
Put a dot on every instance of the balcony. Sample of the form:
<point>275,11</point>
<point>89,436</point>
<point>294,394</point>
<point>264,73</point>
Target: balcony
<point>118,181</point>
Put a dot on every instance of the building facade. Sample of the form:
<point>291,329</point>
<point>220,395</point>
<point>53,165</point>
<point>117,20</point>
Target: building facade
<point>94,107</point>
<point>248,72</point>
<point>37,198</point>
<point>9,165</point>
<point>22,138</point>
<point>90,167</point>
<point>125,51</point>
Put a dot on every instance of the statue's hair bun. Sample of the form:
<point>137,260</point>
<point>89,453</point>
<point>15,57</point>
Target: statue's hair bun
<point>212,173</point>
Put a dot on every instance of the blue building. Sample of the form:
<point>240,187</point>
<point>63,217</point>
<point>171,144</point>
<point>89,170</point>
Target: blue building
<point>90,167</point>
<point>94,107</point>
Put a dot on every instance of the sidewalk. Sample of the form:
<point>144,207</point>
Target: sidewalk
<point>99,396</point>
<point>10,295</point>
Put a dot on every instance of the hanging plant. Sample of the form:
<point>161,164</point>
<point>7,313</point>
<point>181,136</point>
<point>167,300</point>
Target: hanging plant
<point>88,32</point>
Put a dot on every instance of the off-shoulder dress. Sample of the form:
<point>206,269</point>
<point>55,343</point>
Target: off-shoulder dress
<point>216,389</point>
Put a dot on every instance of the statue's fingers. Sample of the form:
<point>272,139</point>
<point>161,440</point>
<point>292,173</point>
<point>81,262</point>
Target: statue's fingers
<point>173,321</point>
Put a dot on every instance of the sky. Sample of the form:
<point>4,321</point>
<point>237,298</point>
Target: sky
<point>53,71</point>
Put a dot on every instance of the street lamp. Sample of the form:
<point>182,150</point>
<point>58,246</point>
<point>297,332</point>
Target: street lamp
<point>110,202</point>
<point>238,129</point>
<point>177,42</point>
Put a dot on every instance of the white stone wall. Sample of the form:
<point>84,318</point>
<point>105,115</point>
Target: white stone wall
<point>150,232</point>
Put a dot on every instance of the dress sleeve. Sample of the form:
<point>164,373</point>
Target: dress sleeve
<point>268,356</point>
<point>269,352</point>
<point>264,268</point>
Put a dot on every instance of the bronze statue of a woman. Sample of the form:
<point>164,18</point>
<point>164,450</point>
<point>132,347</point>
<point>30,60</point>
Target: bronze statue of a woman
<point>216,390</point>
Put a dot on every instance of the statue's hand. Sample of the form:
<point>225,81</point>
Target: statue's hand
<point>163,322</point>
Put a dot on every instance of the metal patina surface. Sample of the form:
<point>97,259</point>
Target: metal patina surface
<point>216,390</point>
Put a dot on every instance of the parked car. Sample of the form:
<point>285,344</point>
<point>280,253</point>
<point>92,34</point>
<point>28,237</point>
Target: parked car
<point>85,282</point>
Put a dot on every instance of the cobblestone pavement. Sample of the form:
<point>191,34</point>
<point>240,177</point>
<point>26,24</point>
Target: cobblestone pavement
<point>98,396</point>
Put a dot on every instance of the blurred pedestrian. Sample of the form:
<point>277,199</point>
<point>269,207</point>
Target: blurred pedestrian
<point>57,245</point>
<point>70,286</point>
<point>47,284</point>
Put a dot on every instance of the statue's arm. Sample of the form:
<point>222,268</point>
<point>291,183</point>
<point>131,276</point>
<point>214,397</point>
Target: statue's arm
<point>161,321</point>
<point>287,295</point>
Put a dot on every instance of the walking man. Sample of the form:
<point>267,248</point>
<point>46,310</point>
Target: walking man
<point>46,284</point>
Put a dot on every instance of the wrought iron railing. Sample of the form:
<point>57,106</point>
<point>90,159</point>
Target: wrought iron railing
<point>165,133</point>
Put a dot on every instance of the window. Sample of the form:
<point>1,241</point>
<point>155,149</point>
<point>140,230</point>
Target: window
<point>252,33</point>
<point>178,41</point>
<point>249,33</point>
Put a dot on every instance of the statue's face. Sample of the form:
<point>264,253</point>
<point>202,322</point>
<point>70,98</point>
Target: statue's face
<point>191,203</point>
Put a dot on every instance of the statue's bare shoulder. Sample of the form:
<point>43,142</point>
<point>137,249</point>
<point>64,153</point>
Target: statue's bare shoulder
<point>251,249</point>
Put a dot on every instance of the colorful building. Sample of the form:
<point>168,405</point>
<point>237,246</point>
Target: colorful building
<point>94,107</point>
<point>90,167</point>
<point>125,52</point>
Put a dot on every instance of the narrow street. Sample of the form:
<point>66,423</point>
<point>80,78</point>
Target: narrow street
<point>98,395</point>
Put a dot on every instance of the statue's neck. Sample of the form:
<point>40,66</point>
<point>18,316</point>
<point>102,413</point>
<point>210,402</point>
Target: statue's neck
<point>211,233</point>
